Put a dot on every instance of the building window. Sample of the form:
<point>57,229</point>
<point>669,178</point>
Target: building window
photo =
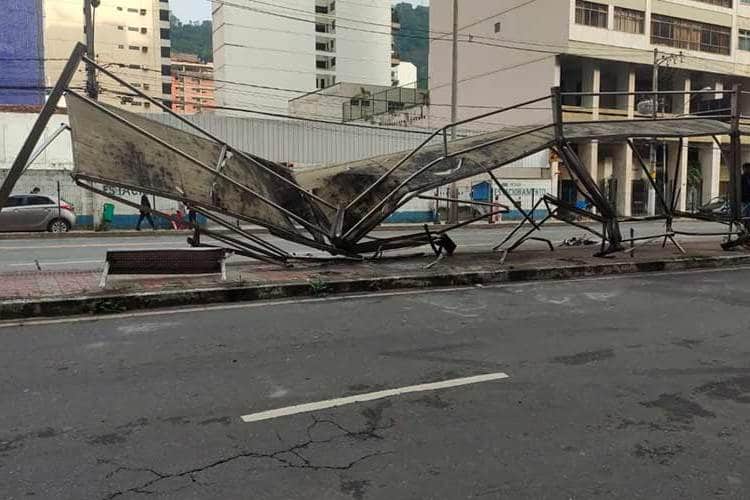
<point>722,3</point>
<point>690,35</point>
<point>166,52</point>
<point>143,12</point>
<point>132,28</point>
<point>132,10</point>
<point>591,14</point>
<point>146,86</point>
<point>163,15</point>
<point>744,41</point>
<point>120,46</point>
<point>121,28</point>
<point>166,88</point>
<point>144,50</point>
<point>119,8</point>
<point>146,105</point>
<point>134,47</point>
<point>144,31</point>
<point>166,70</point>
<point>630,21</point>
<point>497,27</point>
<point>164,33</point>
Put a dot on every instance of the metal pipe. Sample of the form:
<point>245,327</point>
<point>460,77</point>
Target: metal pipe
<point>38,151</point>
<point>667,209</point>
<point>646,92</point>
<point>464,202</point>
<point>514,202</point>
<point>270,247</point>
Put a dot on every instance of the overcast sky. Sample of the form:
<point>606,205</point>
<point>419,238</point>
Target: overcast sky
<point>193,10</point>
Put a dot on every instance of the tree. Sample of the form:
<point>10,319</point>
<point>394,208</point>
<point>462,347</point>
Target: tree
<point>193,37</point>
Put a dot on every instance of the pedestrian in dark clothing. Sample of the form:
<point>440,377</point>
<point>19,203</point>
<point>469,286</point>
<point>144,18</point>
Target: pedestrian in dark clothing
<point>145,213</point>
<point>192,217</point>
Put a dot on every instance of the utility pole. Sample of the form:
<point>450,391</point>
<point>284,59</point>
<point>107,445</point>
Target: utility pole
<point>659,59</point>
<point>654,114</point>
<point>88,27</point>
<point>453,191</point>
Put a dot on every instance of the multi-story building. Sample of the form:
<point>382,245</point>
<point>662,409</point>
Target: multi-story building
<point>131,38</point>
<point>192,84</point>
<point>298,46</point>
<point>511,52</point>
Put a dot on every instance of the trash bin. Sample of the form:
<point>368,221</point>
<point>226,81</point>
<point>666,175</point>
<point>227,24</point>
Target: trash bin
<point>108,213</point>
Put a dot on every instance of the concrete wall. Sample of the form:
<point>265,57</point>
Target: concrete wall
<point>21,53</point>
<point>363,41</point>
<point>489,74</point>
<point>406,75</point>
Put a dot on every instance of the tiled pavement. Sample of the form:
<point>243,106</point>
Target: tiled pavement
<point>42,284</point>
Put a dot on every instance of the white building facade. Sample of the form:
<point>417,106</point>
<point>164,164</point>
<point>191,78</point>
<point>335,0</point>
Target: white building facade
<point>265,55</point>
<point>606,45</point>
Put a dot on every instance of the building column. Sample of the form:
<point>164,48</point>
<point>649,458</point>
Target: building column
<point>624,174</point>
<point>710,158</point>
<point>679,170</point>
<point>589,156</point>
<point>626,83</point>
<point>591,82</point>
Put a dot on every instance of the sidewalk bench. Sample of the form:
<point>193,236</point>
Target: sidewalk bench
<point>165,261</point>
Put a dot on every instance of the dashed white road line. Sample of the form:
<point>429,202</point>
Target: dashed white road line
<point>370,396</point>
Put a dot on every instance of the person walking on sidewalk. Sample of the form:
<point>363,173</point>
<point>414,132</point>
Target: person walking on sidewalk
<point>145,213</point>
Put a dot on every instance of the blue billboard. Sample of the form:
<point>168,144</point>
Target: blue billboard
<point>22,53</point>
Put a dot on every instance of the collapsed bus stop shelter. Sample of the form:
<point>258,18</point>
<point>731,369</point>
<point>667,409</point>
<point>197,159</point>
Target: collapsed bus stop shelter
<point>335,208</point>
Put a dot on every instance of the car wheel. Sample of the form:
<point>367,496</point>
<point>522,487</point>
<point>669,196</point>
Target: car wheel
<point>58,226</point>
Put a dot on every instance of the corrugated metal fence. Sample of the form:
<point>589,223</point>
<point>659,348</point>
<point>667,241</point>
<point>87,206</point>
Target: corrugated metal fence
<point>301,142</point>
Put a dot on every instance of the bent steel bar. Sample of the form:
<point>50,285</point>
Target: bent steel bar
<point>22,160</point>
<point>442,130</point>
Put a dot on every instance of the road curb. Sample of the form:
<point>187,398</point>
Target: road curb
<point>118,303</point>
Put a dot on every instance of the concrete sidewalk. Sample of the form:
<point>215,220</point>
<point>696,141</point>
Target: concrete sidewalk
<point>45,293</point>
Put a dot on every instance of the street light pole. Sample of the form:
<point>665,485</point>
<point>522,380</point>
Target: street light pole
<point>88,28</point>
<point>453,207</point>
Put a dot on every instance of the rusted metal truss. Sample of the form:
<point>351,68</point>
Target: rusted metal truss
<point>335,208</point>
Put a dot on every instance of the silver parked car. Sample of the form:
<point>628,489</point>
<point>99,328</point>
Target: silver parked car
<point>36,212</point>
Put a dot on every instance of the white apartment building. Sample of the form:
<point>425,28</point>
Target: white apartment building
<point>275,52</point>
<point>511,51</point>
<point>131,39</point>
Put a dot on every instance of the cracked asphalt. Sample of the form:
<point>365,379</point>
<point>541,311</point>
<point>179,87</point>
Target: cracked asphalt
<point>630,387</point>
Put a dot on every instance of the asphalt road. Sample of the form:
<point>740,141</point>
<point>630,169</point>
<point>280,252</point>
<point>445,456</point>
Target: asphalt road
<point>88,253</point>
<point>632,388</point>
